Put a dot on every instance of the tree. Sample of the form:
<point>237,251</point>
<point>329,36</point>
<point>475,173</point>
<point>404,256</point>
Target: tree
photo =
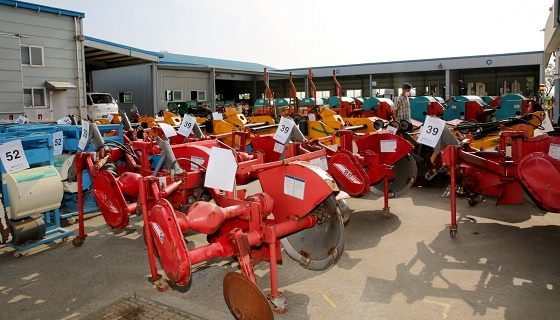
<point>549,79</point>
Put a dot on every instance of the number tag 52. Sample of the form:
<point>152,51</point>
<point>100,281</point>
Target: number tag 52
<point>13,157</point>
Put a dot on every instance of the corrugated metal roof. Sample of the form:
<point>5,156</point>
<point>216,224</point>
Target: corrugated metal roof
<point>39,8</point>
<point>434,64</point>
<point>180,59</point>
<point>122,46</point>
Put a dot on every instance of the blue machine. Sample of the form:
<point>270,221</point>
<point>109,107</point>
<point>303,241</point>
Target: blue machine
<point>510,106</point>
<point>419,107</point>
<point>31,197</point>
<point>457,107</point>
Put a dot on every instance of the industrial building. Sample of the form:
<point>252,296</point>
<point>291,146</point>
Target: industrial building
<point>75,63</point>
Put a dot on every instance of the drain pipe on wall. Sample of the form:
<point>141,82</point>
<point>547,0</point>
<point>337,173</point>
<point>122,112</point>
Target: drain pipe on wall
<point>77,40</point>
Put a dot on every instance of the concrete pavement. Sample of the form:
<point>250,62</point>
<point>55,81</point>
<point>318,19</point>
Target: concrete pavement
<point>504,264</point>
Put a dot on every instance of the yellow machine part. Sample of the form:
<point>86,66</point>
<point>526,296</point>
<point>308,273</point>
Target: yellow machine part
<point>258,119</point>
<point>168,117</point>
<point>493,140</point>
<point>116,120</point>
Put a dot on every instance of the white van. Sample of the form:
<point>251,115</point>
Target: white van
<point>100,105</point>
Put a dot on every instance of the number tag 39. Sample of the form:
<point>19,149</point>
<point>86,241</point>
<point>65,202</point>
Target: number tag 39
<point>431,131</point>
<point>187,125</point>
<point>284,130</point>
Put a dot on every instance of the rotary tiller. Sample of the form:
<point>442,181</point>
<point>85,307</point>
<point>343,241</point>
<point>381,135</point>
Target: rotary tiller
<point>530,168</point>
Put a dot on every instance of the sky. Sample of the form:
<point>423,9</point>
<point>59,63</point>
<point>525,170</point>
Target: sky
<point>288,34</point>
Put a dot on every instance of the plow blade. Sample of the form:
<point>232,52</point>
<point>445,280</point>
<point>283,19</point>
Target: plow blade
<point>405,175</point>
<point>540,175</point>
<point>318,247</point>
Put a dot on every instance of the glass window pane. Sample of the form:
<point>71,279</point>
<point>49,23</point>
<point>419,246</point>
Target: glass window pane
<point>38,97</point>
<point>202,95</point>
<point>36,56</point>
<point>27,99</point>
<point>178,95</point>
<point>24,55</point>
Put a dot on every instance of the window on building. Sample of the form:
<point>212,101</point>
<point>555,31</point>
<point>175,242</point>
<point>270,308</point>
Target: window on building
<point>125,97</point>
<point>34,97</point>
<point>32,56</point>
<point>198,95</point>
<point>300,94</point>
<point>173,95</point>
<point>244,96</point>
<point>354,93</point>
<point>323,94</point>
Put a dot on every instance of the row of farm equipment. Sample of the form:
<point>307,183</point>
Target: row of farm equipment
<point>190,174</point>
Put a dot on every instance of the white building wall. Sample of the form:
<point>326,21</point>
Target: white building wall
<point>56,35</point>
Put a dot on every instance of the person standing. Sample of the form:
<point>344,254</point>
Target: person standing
<point>401,111</point>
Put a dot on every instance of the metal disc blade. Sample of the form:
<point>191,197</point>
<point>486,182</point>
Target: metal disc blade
<point>319,247</point>
<point>405,175</point>
<point>244,299</point>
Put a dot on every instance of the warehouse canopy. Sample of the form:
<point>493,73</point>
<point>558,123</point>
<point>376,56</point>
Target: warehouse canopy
<point>101,54</point>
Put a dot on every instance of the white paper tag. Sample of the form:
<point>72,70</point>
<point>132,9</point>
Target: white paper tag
<point>320,162</point>
<point>546,124</point>
<point>284,130</point>
<point>21,120</point>
<point>554,151</point>
<point>196,160</point>
<point>311,117</point>
<point>57,143</point>
<point>13,157</point>
<point>162,182</point>
<point>217,116</point>
<point>187,125</point>
<point>278,147</point>
<point>110,117</point>
<point>294,187</point>
<point>85,135</point>
<point>65,120</point>
<point>168,129</point>
<point>220,173</point>
<point>392,129</point>
<point>431,131</point>
<point>388,145</point>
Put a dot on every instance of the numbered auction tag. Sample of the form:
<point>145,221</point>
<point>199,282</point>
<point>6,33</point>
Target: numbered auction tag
<point>13,157</point>
<point>554,151</point>
<point>187,125</point>
<point>65,120</point>
<point>546,125</point>
<point>57,142</point>
<point>82,144</point>
<point>217,116</point>
<point>284,130</point>
<point>222,167</point>
<point>431,131</point>
<point>168,130</point>
<point>110,117</point>
<point>21,120</point>
<point>392,129</point>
